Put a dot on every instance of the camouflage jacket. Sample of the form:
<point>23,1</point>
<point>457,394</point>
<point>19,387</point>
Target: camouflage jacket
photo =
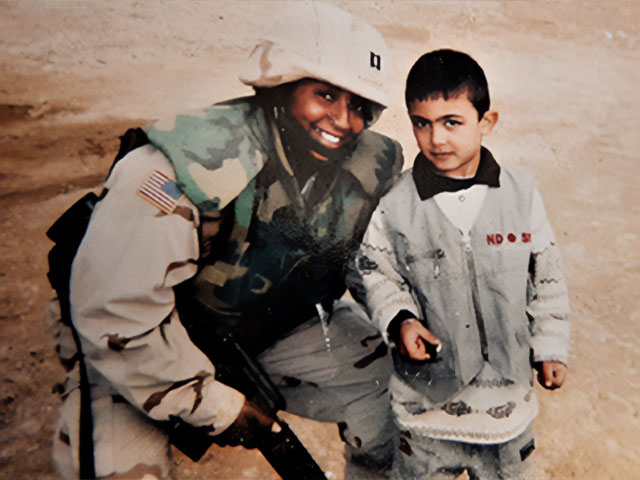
<point>146,241</point>
<point>278,247</point>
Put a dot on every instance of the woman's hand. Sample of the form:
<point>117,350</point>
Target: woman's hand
<point>249,427</point>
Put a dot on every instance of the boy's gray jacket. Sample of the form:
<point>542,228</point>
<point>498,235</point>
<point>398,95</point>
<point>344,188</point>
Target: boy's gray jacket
<point>145,238</point>
<point>414,259</point>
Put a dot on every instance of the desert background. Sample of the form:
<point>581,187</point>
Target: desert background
<point>564,76</point>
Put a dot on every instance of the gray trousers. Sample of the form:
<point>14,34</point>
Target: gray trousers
<point>423,458</point>
<point>341,380</point>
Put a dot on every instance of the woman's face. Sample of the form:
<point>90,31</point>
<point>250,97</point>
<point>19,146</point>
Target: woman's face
<point>333,117</point>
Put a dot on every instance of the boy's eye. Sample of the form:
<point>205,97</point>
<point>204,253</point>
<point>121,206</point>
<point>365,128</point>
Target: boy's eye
<point>418,123</point>
<point>452,123</point>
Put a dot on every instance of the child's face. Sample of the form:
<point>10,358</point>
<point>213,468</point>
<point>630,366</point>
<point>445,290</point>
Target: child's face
<point>449,133</point>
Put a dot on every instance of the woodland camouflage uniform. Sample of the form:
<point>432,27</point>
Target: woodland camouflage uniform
<point>210,215</point>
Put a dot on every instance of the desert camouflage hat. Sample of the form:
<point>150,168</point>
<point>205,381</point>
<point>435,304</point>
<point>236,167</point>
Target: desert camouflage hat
<point>321,41</point>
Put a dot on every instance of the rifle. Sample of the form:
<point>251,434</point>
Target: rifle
<point>283,450</point>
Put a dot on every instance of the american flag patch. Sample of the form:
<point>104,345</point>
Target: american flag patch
<point>161,191</point>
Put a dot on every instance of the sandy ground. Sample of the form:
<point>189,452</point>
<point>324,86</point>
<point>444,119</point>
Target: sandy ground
<point>564,77</point>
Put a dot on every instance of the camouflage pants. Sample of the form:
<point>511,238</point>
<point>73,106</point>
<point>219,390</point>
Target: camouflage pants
<point>423,458</point>
<point>343,380</point>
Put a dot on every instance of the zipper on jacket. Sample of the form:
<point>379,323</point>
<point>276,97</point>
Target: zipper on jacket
<point>475,295</point>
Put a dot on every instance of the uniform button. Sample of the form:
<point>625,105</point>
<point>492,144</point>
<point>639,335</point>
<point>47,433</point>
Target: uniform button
<point>462,198</point>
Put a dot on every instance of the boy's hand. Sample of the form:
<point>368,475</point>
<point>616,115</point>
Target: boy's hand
<point>416,341</point>
<point>551,375</point>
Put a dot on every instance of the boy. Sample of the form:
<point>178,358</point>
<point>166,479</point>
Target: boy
<point>462,275</point>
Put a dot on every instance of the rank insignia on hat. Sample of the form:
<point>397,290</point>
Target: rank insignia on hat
<point>161,191</point>
<point>374,60</point>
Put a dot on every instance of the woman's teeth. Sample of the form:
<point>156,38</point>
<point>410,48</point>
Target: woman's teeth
<point>329,137</point>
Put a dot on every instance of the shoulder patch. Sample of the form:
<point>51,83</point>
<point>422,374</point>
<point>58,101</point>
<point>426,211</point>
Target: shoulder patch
<point>161,192</point>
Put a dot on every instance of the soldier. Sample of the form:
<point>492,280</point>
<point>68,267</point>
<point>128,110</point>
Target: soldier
<point>248,211</point>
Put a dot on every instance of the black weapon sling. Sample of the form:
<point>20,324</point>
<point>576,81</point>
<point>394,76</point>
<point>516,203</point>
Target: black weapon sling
<point>67,233</point>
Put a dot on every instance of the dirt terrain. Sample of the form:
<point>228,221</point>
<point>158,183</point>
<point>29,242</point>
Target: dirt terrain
<point>563,75</point>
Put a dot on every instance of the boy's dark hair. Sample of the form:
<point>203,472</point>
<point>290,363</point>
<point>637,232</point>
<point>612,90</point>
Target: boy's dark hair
<point>447,73</point>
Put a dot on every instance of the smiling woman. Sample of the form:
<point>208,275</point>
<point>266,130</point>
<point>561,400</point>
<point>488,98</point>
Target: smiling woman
<point>333,117</point>
<point>239,221</point>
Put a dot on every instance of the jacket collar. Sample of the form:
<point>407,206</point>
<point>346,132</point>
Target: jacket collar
<point>429,182</point>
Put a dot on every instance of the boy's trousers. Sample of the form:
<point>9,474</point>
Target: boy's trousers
<point>424,458</point>
<point>343,379</point>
